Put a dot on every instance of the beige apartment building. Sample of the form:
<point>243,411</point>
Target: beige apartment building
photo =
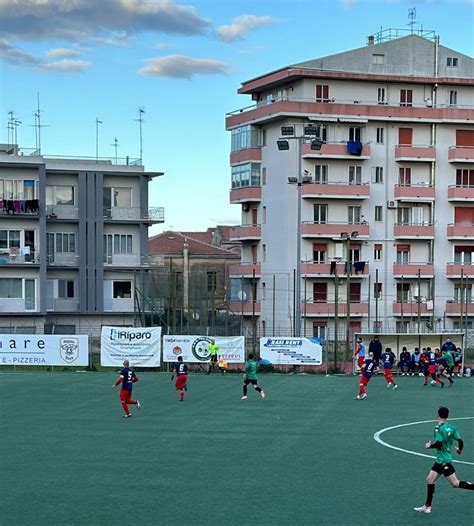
<point>355,176</point>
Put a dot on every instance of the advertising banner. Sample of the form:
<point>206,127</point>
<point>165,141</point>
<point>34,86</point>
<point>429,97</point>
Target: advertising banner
<point>291,351</point>
<point>32,349</point>
<point>193,349</point>
<point>139,345</point>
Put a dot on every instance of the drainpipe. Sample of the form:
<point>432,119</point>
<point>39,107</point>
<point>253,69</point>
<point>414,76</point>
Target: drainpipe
<point>186,277</point>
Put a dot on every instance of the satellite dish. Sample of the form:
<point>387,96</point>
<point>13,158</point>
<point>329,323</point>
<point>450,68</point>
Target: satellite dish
<point>241,295</point>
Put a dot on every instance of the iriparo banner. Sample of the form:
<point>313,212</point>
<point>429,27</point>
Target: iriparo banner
<point>139,345</point>
<point>49,349</point>
<point>291,351</point>
<point>193,349</point>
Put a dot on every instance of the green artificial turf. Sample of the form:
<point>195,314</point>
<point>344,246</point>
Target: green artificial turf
<point>303,456</point>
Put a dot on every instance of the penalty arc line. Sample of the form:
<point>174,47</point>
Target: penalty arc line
<point>380,441</point>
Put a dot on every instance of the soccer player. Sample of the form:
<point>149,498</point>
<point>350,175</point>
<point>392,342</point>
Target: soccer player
<point>367,370</point>
<point>213,349</point>
<point>425,363</point>
<point>250,377</point>
<point>127,378</point>
<point>432,367</point>
<point>360,352</point>
<point>444,434</point>
<point>181,371</point>
<point>388,359</point>
<point>446,369</point>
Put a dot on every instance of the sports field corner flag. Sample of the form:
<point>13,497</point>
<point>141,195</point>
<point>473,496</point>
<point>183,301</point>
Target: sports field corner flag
<point>140,345</point>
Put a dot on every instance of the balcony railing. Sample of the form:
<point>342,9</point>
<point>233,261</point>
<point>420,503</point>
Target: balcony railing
<point>410,270</point>
<point>119,304</point>
<point>117,161</point>
<point>414,230</point>
<point>245,270</point>
<point>419,191</point>
<point>461,193</point>
<point>18,305</point>
<point>339,190</point>
<point>333,229</point>
<point>124,260</point>
<point>334,150</point>
<point>317,269</point>
<point>455,308</point>
<point>246,194</point>
<point>19,208</point>
<point>62,212</point>
<point>15,257</point>
<point>245,308</point>
<point>63,259</point>
<point>155,214</point>
<point>456,270</point>
<point>410,308</point>
<point>461,154</point>
<point>62,304</point>
<point>324,308</point>
<point>460,231</point>
<point>413,152</point>
<point>245,232</point>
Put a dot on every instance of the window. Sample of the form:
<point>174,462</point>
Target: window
<point>65,288</point>
<point>319,252</point>
<point>11,288</point>
<point>264,215</point>
<point>319,329</point>
<point>404,176</point>
<point>319,292</point>
<point>321,173</point>
<point>246,175</point>
<point>404,216</point>
<point>378,59</point>
<point>244,137</point>
<point>403,254</point>
<point>452,62</point>
<point>322,93</point>
<point>465,177</point>
<point>402,326</point>
<point>65,242</point>
<point>403,291</point>
<point>122,289</point>
<point>264,252</point>
<point>453,98</point>
<point>406,97</point>
<point>355,133</point>
<point>9,238</point>
<point>354,215</point>
<point>264,175</point>
<point>354,253</point>
<point>122,197</point>
<point>60,195</point>
<point>463,293</point>
<point>378,174</point>
<point>378,213</point>
<point>122,243</point>
<point>464,254</point>
<point>17,189</point>
<point>355,175</point>
<point>381,95</point>
<point>380,135</point>
<point>321,132</point>
<point>377,252</point>
<point>211,282</point>
<point>320,214</point>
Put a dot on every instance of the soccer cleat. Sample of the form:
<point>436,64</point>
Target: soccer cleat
<point>423,509</point>
<point>363,397</point>
<point>357,397</point>
<point>128,415</point>
<point>138,404</point>
<point>395,387</point>
<point>244,398</point>
<point>388,385</point>
<point>442,385</point>
<point>262,394</point>
<point>425,384</point>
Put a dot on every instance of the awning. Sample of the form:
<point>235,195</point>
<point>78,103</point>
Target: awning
<point>322,119</point>
<point>353,119</point>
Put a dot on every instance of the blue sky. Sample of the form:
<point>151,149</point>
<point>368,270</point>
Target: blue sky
<point>182,63</point>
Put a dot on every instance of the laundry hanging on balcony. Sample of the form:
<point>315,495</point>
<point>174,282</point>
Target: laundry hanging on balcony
<point>354,147</point>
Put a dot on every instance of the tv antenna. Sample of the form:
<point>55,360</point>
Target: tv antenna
<point>37,125</point>
<point>140,120</point>
<point>411,18</point>
<point>97,122</point>
<point>12,128</point>
<point>115,144</point>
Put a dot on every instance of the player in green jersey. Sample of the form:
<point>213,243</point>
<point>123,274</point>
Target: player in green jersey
<point>444,435</point>
<point>250,377</point>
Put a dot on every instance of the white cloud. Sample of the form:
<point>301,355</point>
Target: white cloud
<point>242,25</point>
<point>14,55</point>
<point>162,45</point>
<point>347,4</point>
<point>66,66</point>
<point>182,67</point>
<point>62,52</point>
<point>81,19</point>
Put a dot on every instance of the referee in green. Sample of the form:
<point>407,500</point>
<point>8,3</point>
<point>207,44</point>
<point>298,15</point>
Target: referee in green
<point>213,349</point>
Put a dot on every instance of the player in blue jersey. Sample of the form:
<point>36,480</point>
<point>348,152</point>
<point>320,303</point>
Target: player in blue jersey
<point>388,359</point>
<point>127,378</point>
<point>369,367</point>
<point>181,372</point>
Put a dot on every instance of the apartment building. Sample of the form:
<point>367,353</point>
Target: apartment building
<point>73,241</point>
<point>355,175</point>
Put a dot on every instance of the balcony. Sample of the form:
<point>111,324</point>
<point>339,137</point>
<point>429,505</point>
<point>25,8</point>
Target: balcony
<point>411,231</point>
<point>410,308</point>
<point>18,305</point>
<point>455,309</point>
<point>131,214</point>
<point>336,191</point>
<point>333,229</point>
<point>456,270</point>
<point>62,304</point>
<point>245,270</point>
<point>357,309</point>
<point>119,305</point>
<point>461,154</point>
<point>62,212</point>
<point>248,155</point>
<point>245,233</point>
<point>334,150</point>
<point>123,260</point>
<point>460,193</point>
<point>63,259</point>
<point>410,270</point>
<point>248,194</point>
<point>460,231</point>
<point>414,192</point>
<point>13,256</point>
<point>410,152</point>
<point>245,308</point>
<point>19,209</point>
<point>327,270</point>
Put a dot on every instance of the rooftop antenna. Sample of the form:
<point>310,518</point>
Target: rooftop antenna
<point>115,144</point>
<point>411,18</point>
<point>141,112</point>
<point>12,128</point>
<point>37,125</point>
<point>97,122</point>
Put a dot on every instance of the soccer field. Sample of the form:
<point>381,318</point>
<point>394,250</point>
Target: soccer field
<point>303,456</point>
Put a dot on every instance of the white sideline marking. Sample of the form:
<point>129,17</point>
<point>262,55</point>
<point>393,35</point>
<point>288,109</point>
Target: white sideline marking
<point>380,441</point>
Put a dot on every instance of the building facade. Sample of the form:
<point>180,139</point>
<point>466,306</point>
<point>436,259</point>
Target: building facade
<point>73,242</point>
<point>377,230</point>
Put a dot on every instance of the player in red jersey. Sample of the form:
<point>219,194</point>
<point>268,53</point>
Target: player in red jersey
<point>424,364</point>
<point>181,370</point>
<point>127,378</point>
<point>369,367</point>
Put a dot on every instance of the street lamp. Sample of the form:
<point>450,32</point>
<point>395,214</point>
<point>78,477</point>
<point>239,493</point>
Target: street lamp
<point>348,238</point>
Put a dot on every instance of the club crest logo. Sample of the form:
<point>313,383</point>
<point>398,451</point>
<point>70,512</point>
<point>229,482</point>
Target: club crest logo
<point>177,350</point>
<point>69,349</point>
<point>200,349</point>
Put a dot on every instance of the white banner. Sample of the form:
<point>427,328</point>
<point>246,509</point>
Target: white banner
<point>32,349</point>
<point>139,345</point>
<point>291,351</point>
<point>193,349</point>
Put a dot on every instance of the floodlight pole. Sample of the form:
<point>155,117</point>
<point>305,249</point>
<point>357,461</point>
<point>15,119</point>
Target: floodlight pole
<point>298,244</point>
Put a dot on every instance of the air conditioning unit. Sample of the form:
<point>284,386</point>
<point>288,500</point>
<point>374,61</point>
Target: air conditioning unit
<point>391,204</point>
